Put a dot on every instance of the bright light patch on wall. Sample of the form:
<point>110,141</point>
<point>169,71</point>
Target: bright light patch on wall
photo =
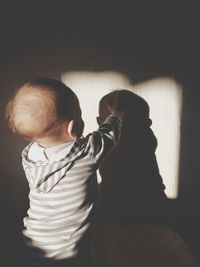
<point>164,97</point>
<point>90,87</point>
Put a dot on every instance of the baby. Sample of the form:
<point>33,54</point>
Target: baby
<point>60,166</point>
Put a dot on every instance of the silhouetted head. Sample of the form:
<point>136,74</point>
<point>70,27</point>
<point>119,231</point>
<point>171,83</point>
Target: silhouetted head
<point>43,107</point>
<point>135,106</point>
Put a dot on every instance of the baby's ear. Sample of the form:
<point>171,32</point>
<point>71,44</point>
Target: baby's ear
<point>70,129</point>
<point>75,128</point>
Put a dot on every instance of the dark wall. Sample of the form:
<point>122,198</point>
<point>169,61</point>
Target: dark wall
<point>140,41</point>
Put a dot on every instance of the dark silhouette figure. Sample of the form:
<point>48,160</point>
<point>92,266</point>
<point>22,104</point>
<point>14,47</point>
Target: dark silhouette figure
<point>132,189</point>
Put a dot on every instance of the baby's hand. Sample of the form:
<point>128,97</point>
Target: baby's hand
<point>119,102</point>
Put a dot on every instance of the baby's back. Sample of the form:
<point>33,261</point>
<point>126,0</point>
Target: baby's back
<point>62,201</point>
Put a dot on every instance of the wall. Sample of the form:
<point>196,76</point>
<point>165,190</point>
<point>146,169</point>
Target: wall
<point>139,44</point>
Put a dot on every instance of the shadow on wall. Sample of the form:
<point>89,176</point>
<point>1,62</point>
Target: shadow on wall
<point>163,95</point>
<point>132,189</point>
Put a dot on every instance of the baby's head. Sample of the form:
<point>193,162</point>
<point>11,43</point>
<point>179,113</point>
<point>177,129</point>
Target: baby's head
<point>45,108</point>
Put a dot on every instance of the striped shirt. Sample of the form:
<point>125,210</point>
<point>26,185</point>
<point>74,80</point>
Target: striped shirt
<point>63,193</point>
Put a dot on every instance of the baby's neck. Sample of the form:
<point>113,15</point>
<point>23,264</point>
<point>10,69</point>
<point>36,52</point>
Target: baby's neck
<point>53,141</point>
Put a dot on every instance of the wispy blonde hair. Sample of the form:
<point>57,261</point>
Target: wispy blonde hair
<point>39,106</point>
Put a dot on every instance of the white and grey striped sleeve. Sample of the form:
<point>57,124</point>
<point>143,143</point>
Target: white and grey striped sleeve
<point>105,138</point>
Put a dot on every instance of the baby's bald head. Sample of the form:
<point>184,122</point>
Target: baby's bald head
<point>39,107</point>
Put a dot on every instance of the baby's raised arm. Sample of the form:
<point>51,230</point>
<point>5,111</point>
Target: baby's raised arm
<point>114,106</point>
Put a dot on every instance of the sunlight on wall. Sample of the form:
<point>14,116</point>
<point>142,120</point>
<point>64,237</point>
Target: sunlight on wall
<point>164,97</point>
